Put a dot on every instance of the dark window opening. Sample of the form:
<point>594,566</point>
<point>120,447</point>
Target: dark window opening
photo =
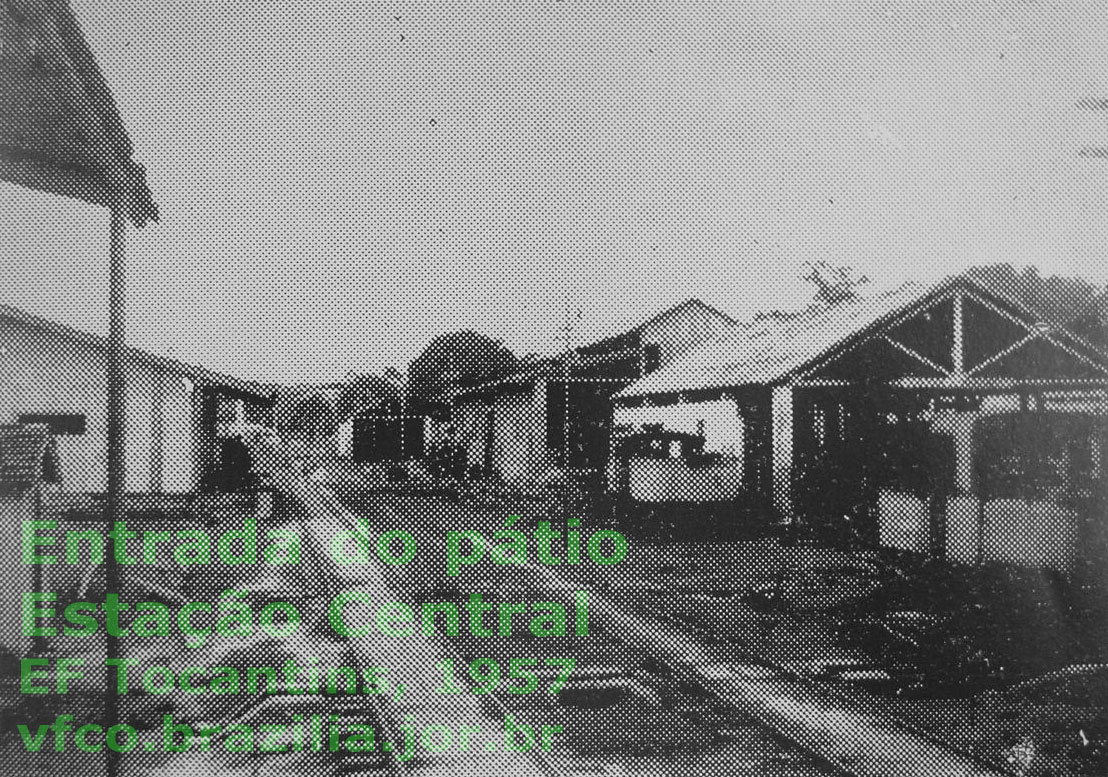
<point>556,416</point>
<point>578,423</point>
<point>1040,456</point>
<point>57,423</point>
<point>387,437</point>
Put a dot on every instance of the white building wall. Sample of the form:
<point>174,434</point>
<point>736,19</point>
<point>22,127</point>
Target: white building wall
<point>723,427</point>
<point>683,329</point>
<point>45,374</point>
<point>514,419</point>
<point>519,456</point>
<point>344,439</point>
<point>179,466</point>
<point>140,422</point>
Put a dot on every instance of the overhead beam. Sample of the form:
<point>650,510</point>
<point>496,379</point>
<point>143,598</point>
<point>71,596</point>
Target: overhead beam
<point>1010,349</point>
<point>971,383</point>
<point>917,356</point>
<point>958,341</point>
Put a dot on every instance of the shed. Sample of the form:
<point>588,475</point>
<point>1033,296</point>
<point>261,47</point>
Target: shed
<point>886,416</point>
<point>176,413</point>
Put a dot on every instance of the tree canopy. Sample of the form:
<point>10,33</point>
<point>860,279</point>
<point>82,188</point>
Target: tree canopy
<point>452,362</point>
<point>834,283</point>
<point>1057,299</point>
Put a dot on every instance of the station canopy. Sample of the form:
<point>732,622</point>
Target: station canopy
<point>60,129</point>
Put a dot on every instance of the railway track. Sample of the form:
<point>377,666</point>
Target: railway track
<point>640,699</point>
<point>622,711</point>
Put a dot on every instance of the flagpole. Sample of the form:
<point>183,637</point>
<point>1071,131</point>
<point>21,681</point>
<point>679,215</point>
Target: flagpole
<point>116,434</point>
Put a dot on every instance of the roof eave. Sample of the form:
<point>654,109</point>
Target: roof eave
<point>201,375</point>
<point>111,178</point>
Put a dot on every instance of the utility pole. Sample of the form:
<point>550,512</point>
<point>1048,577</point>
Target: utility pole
<point>567,329</point>
<point>570,320</point>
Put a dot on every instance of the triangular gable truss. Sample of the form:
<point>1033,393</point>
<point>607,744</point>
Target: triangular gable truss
<point>960,336</point>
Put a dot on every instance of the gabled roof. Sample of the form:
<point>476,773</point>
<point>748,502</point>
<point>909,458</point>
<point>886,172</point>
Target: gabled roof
<point>60,130</point>
<point>672,312</point>
<point>765,349</point>
<point>578,365</point>
<point>202,376</point>
<point>770,349</point>
<point>690,303</point>
<point>611,350</point>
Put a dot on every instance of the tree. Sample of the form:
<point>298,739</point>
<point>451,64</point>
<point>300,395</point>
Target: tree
<point>394,376</point>
<point>834,283</point>
<point>452,362</point>
<point>1056,299</point>
<point>1092,323</point>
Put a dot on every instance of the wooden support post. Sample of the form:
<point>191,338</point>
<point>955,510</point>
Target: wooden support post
<point>38,644</point>
<point>156,463</point>
<point>117,392</point>
<point>781,456</point>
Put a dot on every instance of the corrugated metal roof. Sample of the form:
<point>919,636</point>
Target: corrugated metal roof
<point>583,358</point>
<point>767,349</point>
<point>578,366</point>
<point>199,374</point>
<point>770,349</point>
<point>692,303</point>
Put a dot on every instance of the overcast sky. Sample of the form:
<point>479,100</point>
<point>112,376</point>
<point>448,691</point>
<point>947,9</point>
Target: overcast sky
<point>340,182</point>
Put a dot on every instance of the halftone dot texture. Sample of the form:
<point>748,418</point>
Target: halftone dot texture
<point>565,272</point>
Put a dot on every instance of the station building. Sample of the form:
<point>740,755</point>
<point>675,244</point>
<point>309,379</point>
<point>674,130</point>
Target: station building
<point>56,376</point>
<point>554,415</point>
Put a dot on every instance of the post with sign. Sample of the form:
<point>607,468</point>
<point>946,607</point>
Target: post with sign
<point>51,80</point>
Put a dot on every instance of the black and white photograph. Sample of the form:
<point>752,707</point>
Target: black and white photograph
<point>553,388</point>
